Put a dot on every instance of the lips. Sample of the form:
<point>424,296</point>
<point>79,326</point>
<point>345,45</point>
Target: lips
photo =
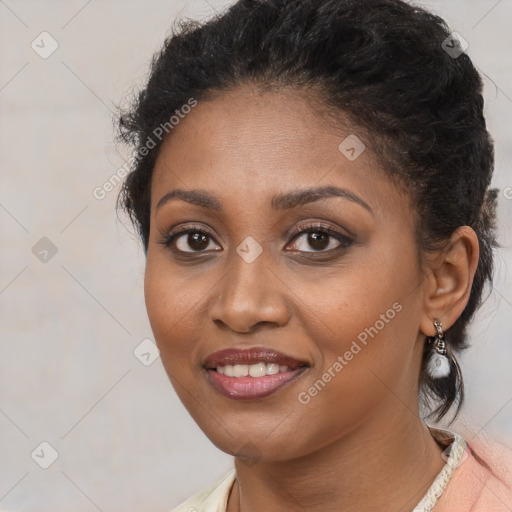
<point>228,372</point>
<point>251,356</point>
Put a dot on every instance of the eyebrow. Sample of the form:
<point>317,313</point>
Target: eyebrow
<point>284,201</point>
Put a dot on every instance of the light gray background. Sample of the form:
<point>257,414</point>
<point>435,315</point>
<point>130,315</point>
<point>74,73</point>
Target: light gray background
<point>69,326</point>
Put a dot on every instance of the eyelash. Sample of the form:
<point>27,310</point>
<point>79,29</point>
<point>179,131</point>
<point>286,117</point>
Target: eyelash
<point>345,241</point>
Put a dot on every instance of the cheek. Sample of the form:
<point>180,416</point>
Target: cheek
<point>365,338</point>
<point>368,318</point>
<point>171,305</point>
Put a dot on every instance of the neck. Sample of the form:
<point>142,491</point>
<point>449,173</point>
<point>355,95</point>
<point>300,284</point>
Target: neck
<point>373,468</point>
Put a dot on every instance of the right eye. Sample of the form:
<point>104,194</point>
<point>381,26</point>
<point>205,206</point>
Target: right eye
<point>197,239</point>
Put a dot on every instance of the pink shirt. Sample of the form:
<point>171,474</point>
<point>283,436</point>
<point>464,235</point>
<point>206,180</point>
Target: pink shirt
<point>482,481</point>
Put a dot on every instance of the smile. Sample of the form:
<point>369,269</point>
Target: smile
<point>251,373</point>
<point>246,388</point>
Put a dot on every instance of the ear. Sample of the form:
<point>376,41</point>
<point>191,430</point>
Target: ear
<point>449,280</point>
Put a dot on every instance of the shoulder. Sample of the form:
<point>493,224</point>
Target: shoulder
<point>482,481</point>
<point>211,499</point>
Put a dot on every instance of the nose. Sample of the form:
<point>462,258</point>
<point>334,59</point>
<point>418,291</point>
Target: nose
<point>251,295</point>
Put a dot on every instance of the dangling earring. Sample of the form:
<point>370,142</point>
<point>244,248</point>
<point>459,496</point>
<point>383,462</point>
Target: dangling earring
<point>438,365</point>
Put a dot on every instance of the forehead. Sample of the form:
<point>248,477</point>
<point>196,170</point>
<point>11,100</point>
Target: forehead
<point>249,144</point>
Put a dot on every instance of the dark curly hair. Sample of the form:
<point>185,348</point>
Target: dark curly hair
<point>381,64</point>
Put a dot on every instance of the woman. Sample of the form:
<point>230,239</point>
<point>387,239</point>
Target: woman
<point>311,187</point>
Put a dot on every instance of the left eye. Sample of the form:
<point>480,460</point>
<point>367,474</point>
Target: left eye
<point>320,240</point>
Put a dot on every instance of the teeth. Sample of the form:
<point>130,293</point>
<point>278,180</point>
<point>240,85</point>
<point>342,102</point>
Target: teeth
<point>240,370</point>
<point>272,369</point>
<point>257,370</point>
<point>253,370</point>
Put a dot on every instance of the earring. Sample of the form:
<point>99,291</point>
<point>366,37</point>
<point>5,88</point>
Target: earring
<point>438,365</point>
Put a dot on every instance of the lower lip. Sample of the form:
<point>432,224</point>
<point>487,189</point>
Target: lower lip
<point>250,388</point>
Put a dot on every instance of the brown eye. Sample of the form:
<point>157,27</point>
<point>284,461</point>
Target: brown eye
<point>197,241</point>
<point>319,238</point>
<point>190,240</point>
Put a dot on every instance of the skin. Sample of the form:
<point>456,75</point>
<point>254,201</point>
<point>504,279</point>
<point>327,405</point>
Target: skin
<point>359,444</point>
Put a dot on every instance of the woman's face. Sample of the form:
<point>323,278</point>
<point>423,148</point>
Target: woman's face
<point>344,306</point>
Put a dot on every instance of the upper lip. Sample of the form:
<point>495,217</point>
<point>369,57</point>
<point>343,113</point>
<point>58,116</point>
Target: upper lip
<point>232,356</point>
